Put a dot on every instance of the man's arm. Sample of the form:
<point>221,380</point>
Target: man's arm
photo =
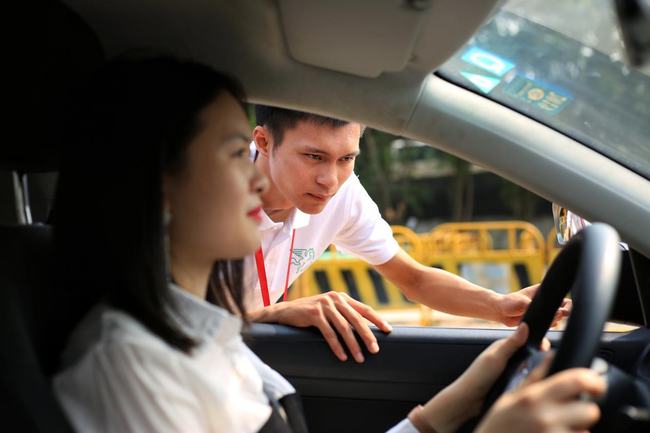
<point>444,291</point>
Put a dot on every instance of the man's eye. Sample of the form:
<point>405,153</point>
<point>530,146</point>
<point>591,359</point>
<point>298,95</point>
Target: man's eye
<point>348,158</point>
<point>313,156</point>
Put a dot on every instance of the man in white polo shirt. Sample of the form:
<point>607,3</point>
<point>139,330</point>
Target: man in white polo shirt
<point>315,200</point>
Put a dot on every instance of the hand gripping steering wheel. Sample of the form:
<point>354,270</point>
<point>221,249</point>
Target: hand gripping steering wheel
<point>588,266</point>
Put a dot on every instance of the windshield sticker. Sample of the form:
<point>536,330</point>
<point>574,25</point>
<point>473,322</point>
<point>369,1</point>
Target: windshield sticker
<point>547,97</point>
<point>488,61</point>
<point>483,82</point>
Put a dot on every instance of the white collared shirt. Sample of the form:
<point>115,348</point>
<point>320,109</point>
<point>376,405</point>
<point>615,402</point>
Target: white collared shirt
<point>351,220</point>
<point>120,377</point>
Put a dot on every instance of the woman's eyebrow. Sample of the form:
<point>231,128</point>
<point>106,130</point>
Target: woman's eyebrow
<point>239,136</point>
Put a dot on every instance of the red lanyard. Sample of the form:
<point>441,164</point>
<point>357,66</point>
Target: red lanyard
<point>261,272</point>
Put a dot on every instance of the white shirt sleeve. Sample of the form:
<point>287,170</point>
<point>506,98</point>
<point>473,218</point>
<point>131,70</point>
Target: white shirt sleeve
<point>366,234</point>
<point>404,426</point>
<point>134,388</point>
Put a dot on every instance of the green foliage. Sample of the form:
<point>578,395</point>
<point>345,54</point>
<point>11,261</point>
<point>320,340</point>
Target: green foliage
<point>387,175</point>
<point>376,169</point>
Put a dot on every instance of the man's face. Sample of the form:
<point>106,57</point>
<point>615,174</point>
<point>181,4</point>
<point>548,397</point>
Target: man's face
<point>312,162</point>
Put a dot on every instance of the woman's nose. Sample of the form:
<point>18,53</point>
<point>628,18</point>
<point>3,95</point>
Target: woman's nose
<point>259,182</point>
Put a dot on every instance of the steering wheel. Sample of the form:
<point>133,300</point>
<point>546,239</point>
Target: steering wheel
<point>589,265</point>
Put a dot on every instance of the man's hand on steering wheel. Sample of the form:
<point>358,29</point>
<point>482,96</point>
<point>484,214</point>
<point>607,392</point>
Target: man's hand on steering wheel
<point>513,306</point>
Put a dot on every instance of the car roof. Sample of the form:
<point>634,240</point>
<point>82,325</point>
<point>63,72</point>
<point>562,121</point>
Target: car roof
<point>371,61</point>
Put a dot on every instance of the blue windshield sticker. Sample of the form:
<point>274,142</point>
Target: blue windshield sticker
<point>483,82</point>
<point>488,61</point>
<point>547,97</point>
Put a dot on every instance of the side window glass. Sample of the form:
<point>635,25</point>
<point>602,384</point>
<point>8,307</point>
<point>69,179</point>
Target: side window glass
<point>446,213</point>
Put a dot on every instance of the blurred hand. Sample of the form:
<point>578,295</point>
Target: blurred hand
<point>332,313</point>
<point>511,307</point>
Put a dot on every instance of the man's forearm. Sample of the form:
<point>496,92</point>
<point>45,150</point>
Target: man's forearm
<point>441,290</point>
<point>447,292</point>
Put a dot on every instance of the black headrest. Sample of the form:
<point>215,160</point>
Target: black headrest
<point>65,52</point>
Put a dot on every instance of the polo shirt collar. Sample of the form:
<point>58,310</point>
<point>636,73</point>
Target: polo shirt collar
<point>300,219</point>
<point>297,219</point>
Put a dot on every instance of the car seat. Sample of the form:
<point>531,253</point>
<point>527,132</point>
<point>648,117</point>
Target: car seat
<point>28,309</point>
<point>36,314</point>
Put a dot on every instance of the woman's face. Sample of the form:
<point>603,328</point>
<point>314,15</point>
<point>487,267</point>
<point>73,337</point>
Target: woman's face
<point>214,200</point>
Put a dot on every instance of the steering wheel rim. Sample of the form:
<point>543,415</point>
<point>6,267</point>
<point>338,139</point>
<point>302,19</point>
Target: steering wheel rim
<point>588,266</point>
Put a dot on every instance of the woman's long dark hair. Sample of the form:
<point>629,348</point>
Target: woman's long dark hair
<point>129,126</point>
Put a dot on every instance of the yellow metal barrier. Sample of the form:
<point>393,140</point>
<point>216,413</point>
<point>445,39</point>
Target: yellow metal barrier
<point>353,276</point>
<point>410,241</point>
<point>453,247</point>
<point>340,272</point>
<point>520,245</point>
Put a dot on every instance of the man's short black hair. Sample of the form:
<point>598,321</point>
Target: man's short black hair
<point>278,120</point>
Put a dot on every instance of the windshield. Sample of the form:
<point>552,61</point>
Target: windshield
<point>561,63</point>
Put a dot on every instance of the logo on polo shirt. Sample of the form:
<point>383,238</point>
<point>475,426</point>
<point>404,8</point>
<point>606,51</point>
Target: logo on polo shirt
<point>302,257</point>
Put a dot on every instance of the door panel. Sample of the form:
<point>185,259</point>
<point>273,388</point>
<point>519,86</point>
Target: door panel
<point>413,364</point>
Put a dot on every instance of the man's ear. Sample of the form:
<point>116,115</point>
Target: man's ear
<point>263,140</point>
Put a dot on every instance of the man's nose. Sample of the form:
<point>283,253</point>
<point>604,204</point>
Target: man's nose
<point>327,176</point>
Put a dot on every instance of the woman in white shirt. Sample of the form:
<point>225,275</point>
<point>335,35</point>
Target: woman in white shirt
<point>157,201</point>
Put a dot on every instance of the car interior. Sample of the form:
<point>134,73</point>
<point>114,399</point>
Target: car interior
<point>369,61</point>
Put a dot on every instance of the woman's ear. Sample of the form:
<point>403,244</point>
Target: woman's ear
<point>263,140</point>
